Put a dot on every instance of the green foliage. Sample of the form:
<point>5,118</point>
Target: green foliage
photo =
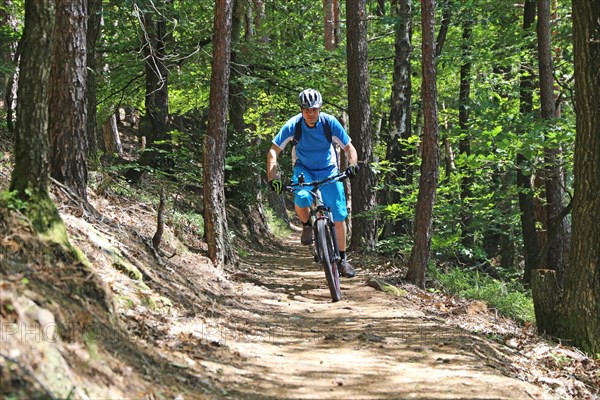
<point>509,298</point>
<point>276,225</point>
<point>186,157</point>
<point>189,222</point>
<point>395,245</point>
<point>12,200</point>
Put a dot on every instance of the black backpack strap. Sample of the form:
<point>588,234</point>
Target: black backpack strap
<point>327,129</point>
<point>298,130</point>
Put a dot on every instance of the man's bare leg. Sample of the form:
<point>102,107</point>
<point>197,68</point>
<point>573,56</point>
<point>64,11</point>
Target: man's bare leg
<point>303,213</point>
<point>340,233</point>
<point>307,233</point>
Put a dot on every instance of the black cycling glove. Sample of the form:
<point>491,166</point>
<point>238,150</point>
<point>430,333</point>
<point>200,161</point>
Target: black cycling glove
<point>352,170</point>
<point>276,185</point>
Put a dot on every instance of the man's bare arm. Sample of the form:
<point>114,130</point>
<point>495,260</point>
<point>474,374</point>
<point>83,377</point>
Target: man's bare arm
<point>351,154</point>
<point>272,162</point>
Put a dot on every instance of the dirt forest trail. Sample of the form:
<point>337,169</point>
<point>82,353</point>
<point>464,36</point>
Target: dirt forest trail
<point>294,343</point>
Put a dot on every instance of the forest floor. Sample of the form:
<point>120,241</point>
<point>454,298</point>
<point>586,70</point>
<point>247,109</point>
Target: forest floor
<point>132,323</point>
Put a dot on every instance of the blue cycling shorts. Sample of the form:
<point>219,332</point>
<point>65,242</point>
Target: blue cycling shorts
<point>333,193</point>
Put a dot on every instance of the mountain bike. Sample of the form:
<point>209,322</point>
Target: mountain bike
<point>325,245</point>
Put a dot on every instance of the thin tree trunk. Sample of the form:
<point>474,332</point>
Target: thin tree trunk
<point>444,25</point>
<point>9,55</point>
<point>155,124</point>
<point>215,218</point>
<point>400,128</point>
<point>419,255</point>
<point>531,247</point>
<point>329,26</point>
<point>363,196</point>
<point>237,99</point>
<point>337,18</point>
<point>110,137</point>
<point>465,141</point>
<point>259,16</point>
<point>556,260</point>
<point>94,20</point>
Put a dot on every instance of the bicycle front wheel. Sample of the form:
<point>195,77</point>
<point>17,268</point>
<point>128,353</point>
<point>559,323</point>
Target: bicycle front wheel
<point>327,252</point>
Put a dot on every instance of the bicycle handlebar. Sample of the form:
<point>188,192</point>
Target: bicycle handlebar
<point>315,184</point>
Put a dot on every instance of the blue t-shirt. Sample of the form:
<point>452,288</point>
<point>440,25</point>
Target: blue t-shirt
<point>313,151</point>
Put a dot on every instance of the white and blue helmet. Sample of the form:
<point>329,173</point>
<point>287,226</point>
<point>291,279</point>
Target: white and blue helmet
<point>310,98</point>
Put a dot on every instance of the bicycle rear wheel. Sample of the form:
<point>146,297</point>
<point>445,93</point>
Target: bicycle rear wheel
<point>327,252</point>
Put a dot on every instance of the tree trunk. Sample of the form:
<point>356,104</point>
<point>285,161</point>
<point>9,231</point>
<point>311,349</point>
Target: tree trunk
<point>9,100</point>
<point>30,174</point>
<point>68,109</point>
<point>465,141</point>
<point>155,124</point>
<point>363,196</point>
<point>531,247</point>
<point>248,24</point>
<point>259,16</point>
<point>110,137</point>
<point>215,218</point>
<point>337,18</point>
<point>380,10</point>
<point>556,260</point>
<point>546,294</point>
<point>329,26</point>
<point>400,116</point>
<point>444,25</point>
<point>9,55</point>
<point>5,54</point>
<point>93,32</point>
<point>237,99</point>
<point>580,316</point>
<point>430,162</point>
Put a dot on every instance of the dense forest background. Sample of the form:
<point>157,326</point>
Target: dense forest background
<point>199,86</point>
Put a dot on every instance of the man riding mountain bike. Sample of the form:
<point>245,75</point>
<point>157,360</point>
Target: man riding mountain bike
<point>313,135</point>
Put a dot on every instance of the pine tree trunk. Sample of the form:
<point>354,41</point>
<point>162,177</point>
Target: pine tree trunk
<point>67,128</point>
<point>31,139</point>
<point>363,196</point>
<point>32,167</point>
